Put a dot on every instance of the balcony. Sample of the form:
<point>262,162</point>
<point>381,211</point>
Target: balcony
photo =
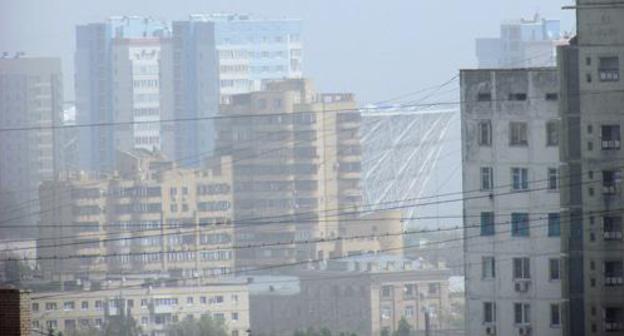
<point>610,144</point>
<point>612,235</point>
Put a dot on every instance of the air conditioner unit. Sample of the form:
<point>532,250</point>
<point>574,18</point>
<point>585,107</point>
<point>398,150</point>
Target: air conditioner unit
<point>525,331</point>
<point>522,286</point>
<point>490,330</point>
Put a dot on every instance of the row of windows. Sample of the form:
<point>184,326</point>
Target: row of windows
<point>521,268</point>
<point>520,226</point>
<point>519,179</point>
<point>522,313</point>
<point>518,133</point>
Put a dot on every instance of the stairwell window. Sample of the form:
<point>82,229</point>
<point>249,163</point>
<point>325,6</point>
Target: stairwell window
<point>485,133</point>
<point>488,267</point>
<point>552,134</point>
<point>555,315</point>
<point>609,69</point>
<point>554,269</point>
<point>553,179</point>
<point>487,224</point>
<point>554,224</point>
<point>520,224</point>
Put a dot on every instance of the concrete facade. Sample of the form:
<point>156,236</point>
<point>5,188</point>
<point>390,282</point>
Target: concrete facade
<point>511,201</point>
<point>592,119</point>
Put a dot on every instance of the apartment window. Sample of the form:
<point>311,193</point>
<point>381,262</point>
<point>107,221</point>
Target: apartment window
<point>521,268</point>
<point>69,305</point>
<point>173,208</point>
<point>517,96</point>
<point>385,312</point>
<point>84,305</point>
<point>409,311</point>
<point>487,224</point>
<point>520,224</point>
<point>552,96</point>
<point>144,320</point>
<point>554,224</point>
<point>386,291</point>
<point>553,178</point>
<point>609,69</point>
<point>189,300</point>
<point>485,133</point>
<point>99,306</point>
<point>185,190</point>
<point>488,267</point>
<point>234,316</point>
<point>409,290</point>
<point>433,288</point>
<point>202,299</point>
<point>614,319</point>
<point>487,178</point>
<point>610,179</point>
<point>489,312</point>
<point>35,307</point>
<point>518,134</point>
<point>522,313</point>
<point>610,137</point>
<point>554,269</point>
<point>520,178</point>
<point>484,97</point>
<point>552,133</point>
<point>555,315</point>
<point>50,306</point>
<point>613,273</point>
<point>173,191</point>
<point>143,302</point>
<point>612,227</point>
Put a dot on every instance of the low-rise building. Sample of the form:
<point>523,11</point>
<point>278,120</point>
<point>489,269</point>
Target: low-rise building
<point>153,307</point>
<point>362,295</point>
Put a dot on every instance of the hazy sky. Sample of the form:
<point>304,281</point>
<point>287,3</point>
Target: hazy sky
<point>377,49</point>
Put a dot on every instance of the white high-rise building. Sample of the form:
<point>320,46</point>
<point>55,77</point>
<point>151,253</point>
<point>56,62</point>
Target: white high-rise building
<point>522,43</point>
<point>511,201</point>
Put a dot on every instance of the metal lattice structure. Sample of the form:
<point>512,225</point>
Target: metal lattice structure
<point>401,149</point>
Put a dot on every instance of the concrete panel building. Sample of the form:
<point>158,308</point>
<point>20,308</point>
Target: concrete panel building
<point>31,98</point>
<point>591,156</point>
<point>511,201</point>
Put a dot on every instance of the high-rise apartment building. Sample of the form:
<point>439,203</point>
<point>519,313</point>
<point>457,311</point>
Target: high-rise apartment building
<point>296,168</point>
<point>150,218</point>
<point>31,99</point>
<point>252,50</point>
<point>522,43</point>
<point>119,79</point>
<point>592,93</point>
<point>511,201</point>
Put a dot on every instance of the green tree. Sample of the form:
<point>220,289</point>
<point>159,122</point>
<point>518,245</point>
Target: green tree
<point>205,326</point>
<point>121,325</point>
<point>404,329</point>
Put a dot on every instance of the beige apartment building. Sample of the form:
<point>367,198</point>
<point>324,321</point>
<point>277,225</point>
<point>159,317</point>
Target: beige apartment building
<point>362,295</point>
<point>153,308</point>
<point>150,217</point>
<point>296,169</point>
